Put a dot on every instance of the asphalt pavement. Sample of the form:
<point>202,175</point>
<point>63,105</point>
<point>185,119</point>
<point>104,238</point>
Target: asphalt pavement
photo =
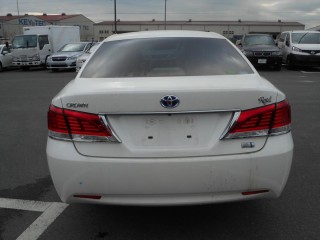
<point>31,209</point>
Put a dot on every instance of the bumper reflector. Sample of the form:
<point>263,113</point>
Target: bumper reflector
<point>96,197</point>
<point>254,192</point>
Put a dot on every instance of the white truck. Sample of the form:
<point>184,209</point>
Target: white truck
<point>37,43</point>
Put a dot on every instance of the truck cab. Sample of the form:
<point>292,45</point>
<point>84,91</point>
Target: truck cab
<point>30,50</point>
<point>38,42</point>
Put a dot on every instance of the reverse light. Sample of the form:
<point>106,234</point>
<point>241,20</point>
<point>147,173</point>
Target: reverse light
<point>70,125</point>
<point>274,119</point>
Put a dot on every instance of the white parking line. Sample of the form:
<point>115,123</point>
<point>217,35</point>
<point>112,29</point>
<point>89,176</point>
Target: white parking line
<point>43,222</point>
<point>51,210</point>
<point>27,205</point>
<point>307,81</point>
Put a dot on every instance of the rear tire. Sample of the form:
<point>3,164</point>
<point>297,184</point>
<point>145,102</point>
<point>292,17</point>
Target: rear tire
<point>1,68</point>
<point>54,69</point>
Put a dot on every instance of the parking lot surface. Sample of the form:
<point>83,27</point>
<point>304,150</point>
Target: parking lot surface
<point>31,209</point>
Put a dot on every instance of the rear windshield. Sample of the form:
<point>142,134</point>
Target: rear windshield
<point>158,57</point>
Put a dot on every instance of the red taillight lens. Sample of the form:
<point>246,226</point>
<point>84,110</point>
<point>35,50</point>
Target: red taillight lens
<point>56,120</point>
<point>85,124</point>
<point>272,119</point>
<point>282,118</point>
<point>66,124</point>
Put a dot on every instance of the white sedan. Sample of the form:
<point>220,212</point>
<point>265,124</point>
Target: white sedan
<point>83,58</point>
<point>168,118</point>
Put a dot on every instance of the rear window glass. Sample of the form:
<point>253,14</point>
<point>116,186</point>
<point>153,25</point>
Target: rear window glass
<point>158,57</point>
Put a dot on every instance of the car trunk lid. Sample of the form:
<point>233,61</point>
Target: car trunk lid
<point>147,129</point>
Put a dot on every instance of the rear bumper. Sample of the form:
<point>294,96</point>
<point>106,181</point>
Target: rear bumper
<point>170,181</point>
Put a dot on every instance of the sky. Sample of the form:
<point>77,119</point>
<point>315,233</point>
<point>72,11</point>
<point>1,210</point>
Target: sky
<point>306,12</point>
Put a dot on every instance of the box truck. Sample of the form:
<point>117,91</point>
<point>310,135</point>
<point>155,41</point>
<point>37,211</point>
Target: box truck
<point>37,43</point>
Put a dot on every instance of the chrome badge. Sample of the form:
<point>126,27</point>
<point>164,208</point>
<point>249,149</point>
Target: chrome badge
<point>264,100</point>
<point>170,101</point>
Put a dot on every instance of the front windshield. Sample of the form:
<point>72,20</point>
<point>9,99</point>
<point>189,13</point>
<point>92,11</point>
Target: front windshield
<point>25,41</point>
<point>306,38</point>
<point>259,40</point>
<point>73,47</point>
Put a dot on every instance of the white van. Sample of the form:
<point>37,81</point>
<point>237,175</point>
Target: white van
<point>300,48</point>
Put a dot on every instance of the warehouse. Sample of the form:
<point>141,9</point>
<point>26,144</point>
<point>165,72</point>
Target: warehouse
<point>12,25</point>
<point>230,29</point>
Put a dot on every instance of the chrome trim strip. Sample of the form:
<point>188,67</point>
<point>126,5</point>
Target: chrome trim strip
<point>168,112</point>
<point>108,125</point>
<point>232,122</point>
<point>59,136</point>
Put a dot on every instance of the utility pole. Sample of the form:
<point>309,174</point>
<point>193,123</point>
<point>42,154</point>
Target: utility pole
<point>165,14</point>
<point>18,17</point>
<point>115,16</point>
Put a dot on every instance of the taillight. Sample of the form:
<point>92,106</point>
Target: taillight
<point>66,124</point>
<point>273,119</point>
<point>282,118</point>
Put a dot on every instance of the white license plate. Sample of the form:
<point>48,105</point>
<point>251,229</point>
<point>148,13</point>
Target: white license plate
<point>176,130</point>
<point>262,61</point>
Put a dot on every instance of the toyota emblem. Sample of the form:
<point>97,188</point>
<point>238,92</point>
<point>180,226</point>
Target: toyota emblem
<point>170,101</point>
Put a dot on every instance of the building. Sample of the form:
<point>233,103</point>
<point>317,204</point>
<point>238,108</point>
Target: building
<point>84,23</point>
<point>12,25</point>
<point>230,29</point>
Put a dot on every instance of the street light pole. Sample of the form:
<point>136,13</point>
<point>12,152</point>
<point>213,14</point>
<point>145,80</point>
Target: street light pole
<point>115,16</point>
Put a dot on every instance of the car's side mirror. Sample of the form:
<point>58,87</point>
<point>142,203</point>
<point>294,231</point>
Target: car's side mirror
<point>238,43</point>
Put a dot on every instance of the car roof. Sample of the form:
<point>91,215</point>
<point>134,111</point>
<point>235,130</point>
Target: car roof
<point>257,34</point>
<point>78,42</point>
<point>302,31</point>
<point>163,33</point>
